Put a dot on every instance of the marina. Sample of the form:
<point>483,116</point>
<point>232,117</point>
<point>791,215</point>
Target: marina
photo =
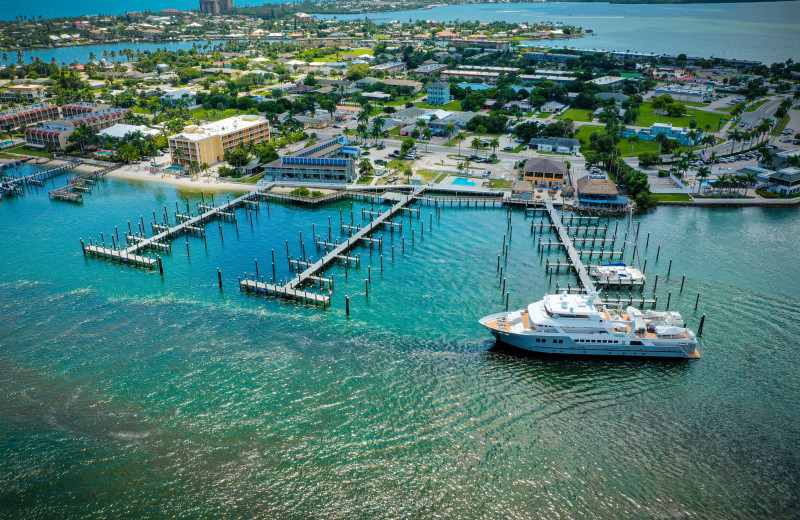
<point>194,355</point>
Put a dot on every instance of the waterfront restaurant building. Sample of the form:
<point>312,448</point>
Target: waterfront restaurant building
<point>597,191</point>
<point>328,161</point>
<point>208,143</point>
<point>544,172</point>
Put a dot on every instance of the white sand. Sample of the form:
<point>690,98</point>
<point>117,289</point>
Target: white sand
<point>142,173</point>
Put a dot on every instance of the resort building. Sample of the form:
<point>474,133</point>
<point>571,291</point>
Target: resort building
<point>785,181</point>
<point>24,93</point>
<point>327,161</point>
<point>555,145</point>
<point>439,93</point>
<point>544,172</point>
<point>82,107</point>
<point>597,191</point>
<point>208,143</point>
<point>498,45</point>
<point>54,134</point>
<point>550,57</point>
<point>216,6</point>
<point>27,116</point>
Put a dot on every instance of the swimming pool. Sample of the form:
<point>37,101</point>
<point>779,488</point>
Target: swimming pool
<point>105,153</point>
<point>175,169</point>
<point>6,143</point>
<point>462,181</point>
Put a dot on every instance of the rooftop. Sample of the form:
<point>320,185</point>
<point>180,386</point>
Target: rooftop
<point>221,127</point>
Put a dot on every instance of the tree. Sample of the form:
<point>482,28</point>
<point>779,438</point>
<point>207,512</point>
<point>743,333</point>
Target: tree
<point>476,143</point>
<point>633,139</point>
<point>703,172</point>
<point>661,139</point>
<point>377,126</point>
<point>494,143</point>
<point>82,136</point>
<point>365,168</point>
<point>735,136</point>
<point>178,155</point>
<point>459,138</point>
<point>237,157</point>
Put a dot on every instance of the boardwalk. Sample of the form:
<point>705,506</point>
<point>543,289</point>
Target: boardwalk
<point>355,239</point>
<point>189,224</point>
<point>574,256</point>
<point>13,186</point>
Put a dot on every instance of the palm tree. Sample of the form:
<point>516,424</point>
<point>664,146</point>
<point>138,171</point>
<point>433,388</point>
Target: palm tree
<point>735,136</point>
<point>204,168</point>
<point>178,155</point>
<point>661,139</point>
<point>476,143</point>
<point>363,117</point>
<point>378,124</point>
<point>459,138</point>
<point>427,134</point>
<point>449,130</point>
<point>494,144</point>
<point>633,139</point>
<point>361,130</point>
<point>703,172</point>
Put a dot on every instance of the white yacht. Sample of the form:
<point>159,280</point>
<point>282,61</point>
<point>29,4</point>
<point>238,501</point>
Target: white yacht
<point>581,324</point>
<point>617,274</point>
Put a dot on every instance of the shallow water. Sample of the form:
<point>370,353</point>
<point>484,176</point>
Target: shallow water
<point>125,393</point>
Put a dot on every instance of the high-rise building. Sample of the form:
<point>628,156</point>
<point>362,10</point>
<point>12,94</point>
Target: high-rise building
<point>216,6</point>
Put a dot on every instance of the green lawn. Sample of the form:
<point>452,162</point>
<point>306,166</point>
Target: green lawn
<point>540,115</point>
<point>334,57</point>
<point>781,126</point>
<point>577,114</point>
<point>754,106</point>
<point>500,183</point>
<point>454,105</point>
<point>585,131</point>
<point>681,197</point>
<point>647,117</point>
<point>254,179</point>
<point>426,174</point>
<point>20,149</point>
<point>201,115</point>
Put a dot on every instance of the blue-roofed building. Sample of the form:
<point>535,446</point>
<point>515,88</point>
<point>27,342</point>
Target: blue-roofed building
<point>328,161</point>
<point>682,134</point>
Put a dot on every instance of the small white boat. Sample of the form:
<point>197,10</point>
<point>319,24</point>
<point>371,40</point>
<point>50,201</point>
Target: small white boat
<point>617,274</point>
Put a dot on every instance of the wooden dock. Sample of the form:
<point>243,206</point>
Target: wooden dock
<point>76,186</point>
<point>14,185</point>
<point>574,256</point>
<point>192,225</point>
<point>285,292</point>
<point>293,290</point>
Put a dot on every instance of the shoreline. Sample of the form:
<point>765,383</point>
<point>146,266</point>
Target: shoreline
<point>131,173</point>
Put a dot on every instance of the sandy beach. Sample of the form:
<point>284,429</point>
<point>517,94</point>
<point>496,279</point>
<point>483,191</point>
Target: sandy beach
<point>134,172</point>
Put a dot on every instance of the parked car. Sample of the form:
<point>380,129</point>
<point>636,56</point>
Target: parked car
<point>508,149</point>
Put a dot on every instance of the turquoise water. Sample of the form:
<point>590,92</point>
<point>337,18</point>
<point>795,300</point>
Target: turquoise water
<point>175,169</point>
<point>123,393</point>
<point>54,8</point>
<point>761,31</point>
<point>80,53</point>
<point>462,181</point>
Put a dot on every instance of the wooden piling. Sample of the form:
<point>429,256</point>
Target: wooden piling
<point>219,277</point>
<point>669,298</point>
<point>669,269</point>
<point>702,323</point>
<point>697,301</point>
<point>347,306</point>
<point>683,279</point>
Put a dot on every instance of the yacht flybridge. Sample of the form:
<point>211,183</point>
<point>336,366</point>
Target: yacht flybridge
<point>583,325</point>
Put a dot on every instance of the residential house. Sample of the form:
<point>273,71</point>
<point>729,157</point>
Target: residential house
<point>439,93</point>
<point>555,145</point>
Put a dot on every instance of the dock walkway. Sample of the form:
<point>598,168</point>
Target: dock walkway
<point>572,253</point>
<point>354,240</point>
